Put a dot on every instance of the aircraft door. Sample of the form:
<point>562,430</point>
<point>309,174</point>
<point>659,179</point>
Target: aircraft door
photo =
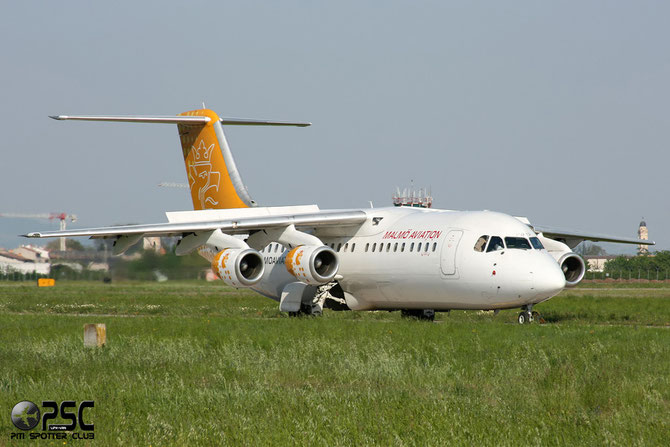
<point>448,254</point>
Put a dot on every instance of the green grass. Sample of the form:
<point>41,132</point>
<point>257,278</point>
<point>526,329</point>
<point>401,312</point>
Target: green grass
<point>201,364</point>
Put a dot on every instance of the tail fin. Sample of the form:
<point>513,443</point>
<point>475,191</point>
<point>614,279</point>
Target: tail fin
<point>212,174</point>
<point>213,177</point>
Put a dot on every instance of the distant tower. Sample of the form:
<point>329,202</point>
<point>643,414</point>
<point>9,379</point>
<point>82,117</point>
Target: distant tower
<point>642,233</point>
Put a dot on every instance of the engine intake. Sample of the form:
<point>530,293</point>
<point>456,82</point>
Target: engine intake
<point>312,265</point>
<point>573,268</point>
<point>239,267</point>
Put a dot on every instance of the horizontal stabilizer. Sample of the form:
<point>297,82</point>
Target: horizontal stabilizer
<point>254,122</point>
<point>136,119</point>
<point>181,119</point>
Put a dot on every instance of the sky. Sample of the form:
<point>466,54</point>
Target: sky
<point>557,111</point>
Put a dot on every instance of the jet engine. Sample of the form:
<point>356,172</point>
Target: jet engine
<point>312,265</point>
<point>239,267</point>
<point>573,268</point>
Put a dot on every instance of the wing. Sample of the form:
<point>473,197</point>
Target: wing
<point>573,237</point>
<point>128,235</point>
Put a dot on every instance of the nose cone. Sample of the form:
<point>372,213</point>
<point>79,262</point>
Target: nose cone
<point>549,278</point>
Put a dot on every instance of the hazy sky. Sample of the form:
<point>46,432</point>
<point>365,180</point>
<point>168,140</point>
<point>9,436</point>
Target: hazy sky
<point>558,111</point>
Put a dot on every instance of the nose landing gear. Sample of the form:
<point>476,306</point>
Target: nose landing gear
<point>528,315</point>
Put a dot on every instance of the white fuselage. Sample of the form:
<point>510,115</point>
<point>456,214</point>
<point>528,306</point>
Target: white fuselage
<point>412,258</point>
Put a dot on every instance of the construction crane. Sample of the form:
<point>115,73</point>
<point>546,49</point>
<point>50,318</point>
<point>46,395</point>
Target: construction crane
<point>63,217</point>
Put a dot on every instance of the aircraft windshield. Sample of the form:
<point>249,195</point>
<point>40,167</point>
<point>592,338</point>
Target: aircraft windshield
<point>537,245</point>
<point>481,243</point>
<point>517,242</point>
<point>495,244</point>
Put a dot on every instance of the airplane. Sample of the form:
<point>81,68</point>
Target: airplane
<point>416,260</point>
<point>25,416</point>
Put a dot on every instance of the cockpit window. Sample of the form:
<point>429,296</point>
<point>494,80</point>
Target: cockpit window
<point>495,244</point>
<point>537,245</point>
<point>481,243</point>
<point>517,242</point>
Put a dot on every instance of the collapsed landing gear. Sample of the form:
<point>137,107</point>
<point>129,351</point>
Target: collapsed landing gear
<point>528,315</point>
<point>419,314</point>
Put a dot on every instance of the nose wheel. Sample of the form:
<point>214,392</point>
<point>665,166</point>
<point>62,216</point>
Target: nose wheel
<point>528,315</point>
<point>524,317</point>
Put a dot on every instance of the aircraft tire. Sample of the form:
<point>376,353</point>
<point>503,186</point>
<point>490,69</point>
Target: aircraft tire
<point>523,318</point>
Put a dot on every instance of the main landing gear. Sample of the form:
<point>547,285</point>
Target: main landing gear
<point>419,314</point>
<point>308,309</point>
<point>528,315</point>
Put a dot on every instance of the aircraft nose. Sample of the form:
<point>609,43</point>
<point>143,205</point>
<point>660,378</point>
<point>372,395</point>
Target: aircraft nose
<point>549,279</point>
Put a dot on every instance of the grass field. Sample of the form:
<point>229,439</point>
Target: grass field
<point>191,363</point>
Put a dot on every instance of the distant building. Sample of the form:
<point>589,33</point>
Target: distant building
<point>25,259</point>
<point>98,266</point>
<point>152,243</point>
<point>420,198</point>
<point>597,263</point>
<point>642,233</point>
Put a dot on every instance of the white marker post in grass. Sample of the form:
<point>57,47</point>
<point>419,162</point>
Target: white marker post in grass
<point>95,335</point>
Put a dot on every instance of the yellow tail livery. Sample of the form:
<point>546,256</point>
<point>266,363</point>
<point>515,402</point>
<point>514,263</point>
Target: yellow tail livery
<point>212,175</point>
<point>210,168</point>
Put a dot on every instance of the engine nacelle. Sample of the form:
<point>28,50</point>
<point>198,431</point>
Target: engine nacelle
<point>239,267</point>
<point>312,264</point>
<point>573,268</point>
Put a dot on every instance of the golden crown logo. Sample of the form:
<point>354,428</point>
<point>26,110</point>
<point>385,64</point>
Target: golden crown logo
<point>202,154</point>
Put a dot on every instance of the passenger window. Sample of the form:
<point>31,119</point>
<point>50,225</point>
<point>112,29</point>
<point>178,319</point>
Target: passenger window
<point>388,247</point>
<point>366,247</point>
<point>402,248</point>
<point>352,247</point>
<point>346,246</point>
<point>481,243</point>
<point>276,248</point>
<point>339,246</point>
<point>434,246</point>
<point>495,244</point>
<point>411,246</point>
<point>395,247</point>
<point>418,247</point>
<point>427,247</point>
<point>374,247</point>
<point>332,245</point>
<point>381,247</point>
<point>517,242</point>
<point>537,245</point>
